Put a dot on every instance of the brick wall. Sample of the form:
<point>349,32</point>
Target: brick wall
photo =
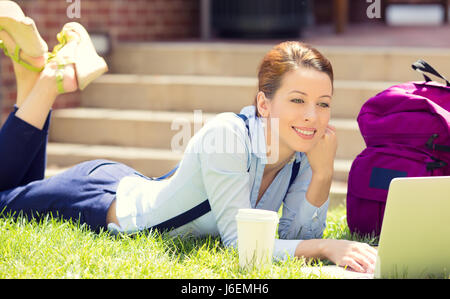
<point>124,20</point>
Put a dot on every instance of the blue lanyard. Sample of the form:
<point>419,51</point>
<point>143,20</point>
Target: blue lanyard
<point>204,207</point>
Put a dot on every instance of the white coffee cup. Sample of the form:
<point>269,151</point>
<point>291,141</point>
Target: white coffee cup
<point>256,237</point>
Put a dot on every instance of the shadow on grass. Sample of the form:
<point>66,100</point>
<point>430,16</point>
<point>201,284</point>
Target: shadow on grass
<point>178,247</point>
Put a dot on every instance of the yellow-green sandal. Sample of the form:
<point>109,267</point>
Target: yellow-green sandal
<point>16,57</point>
<point>61,63</point>
<point>24,33</point>
<point>88,64</point>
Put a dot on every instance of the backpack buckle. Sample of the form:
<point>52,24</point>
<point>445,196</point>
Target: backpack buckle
<point>430,141</point>
<point>435,165</point>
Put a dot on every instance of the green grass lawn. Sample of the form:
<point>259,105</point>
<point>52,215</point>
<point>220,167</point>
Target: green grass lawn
<point>52,248</point>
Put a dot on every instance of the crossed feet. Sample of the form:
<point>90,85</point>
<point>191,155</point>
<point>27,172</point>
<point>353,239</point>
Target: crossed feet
<point>26,79</point>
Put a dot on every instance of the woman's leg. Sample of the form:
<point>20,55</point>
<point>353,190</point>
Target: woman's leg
<point>36,107</point>
<point>82,193</point>
<point>23,137</point>
<point>19,145</point>
<point>39,163</point>
<point>22,152</point>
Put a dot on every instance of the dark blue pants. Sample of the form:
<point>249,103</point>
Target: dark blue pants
<point>82,193</point>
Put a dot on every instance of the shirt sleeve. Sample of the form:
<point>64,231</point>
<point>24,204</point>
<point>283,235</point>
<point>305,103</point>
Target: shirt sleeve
<point>300,220</point>
<point>225,176</point>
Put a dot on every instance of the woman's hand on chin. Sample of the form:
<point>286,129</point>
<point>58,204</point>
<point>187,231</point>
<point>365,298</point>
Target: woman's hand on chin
<point>321,156</point>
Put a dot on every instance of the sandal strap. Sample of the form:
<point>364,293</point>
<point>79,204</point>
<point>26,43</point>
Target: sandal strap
<point>60,80</point>
<point>16,57</point>
<point>61,63</point>
<point>63,39</point>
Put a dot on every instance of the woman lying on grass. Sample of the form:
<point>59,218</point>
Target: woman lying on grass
<point>285,131</point>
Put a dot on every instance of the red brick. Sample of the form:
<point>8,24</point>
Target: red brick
<point>137,20</point>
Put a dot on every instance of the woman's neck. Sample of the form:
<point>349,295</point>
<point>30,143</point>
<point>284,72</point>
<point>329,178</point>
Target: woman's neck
<point>276,161</point>
<point>283,159</point>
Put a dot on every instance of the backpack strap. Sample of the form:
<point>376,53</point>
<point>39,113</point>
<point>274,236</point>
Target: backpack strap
<point>295,169</point>
<point>437,147</point>
<point>423,67</point>
<point>242,116</point>
<point>184,218</point>
<point>442,148</point>
<point>245,119</point>
<point>167,174</point>
<point>204,207</point>
<point>295,166</point>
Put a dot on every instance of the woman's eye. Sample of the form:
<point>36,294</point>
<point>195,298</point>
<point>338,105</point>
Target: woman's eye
<point>324,105</point>
<point>297,101</point>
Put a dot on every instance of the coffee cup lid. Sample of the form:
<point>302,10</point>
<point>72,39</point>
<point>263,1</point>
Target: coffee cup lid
<point>256,215</point>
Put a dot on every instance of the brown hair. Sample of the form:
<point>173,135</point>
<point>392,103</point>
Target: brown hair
<point>285,57</point>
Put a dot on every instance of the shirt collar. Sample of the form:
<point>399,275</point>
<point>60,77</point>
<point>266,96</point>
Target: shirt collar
<point>257,136</point>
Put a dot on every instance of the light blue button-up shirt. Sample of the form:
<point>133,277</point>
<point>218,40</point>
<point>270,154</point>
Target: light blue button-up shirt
<point>224,163</point>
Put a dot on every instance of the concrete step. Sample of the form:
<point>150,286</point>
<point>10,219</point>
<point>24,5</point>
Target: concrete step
<point>241,59</point>
<point>213,94</point>
<point>153,129</point>
<point>150,162</point>
<point>338,194</point>
<point>153,162</point>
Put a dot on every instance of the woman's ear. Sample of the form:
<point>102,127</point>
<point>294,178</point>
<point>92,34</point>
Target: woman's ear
<point>262,104</point>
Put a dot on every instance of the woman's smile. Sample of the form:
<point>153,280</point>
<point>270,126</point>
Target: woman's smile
<point>305,133</point>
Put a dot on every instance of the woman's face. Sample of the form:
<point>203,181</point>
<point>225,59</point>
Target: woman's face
<point>302,105</point>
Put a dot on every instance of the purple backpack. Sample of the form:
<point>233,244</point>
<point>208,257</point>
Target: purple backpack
<point>406,129</point>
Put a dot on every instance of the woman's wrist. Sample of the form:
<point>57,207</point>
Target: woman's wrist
<point>323,175</point>
<point>314,248</point>
<point>324,248</point>
<point>319,188</point>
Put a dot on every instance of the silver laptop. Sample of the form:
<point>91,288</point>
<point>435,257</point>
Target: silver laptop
<point>415,235</point>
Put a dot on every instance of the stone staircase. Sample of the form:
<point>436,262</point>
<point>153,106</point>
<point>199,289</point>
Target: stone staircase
<point>126,115</point>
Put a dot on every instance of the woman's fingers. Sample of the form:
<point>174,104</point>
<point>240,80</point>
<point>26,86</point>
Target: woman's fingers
<point>372,253</point>
<point>365,256</point>
<point>331,127</point>
<point>360,257</point>
<point>366,262</point>
<point>359,263</point>
<point>353,264</point>
<point>330,132</point>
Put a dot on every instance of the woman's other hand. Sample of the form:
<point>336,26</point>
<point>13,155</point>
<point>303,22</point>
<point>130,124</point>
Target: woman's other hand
<point>321,156</point>
<point>358,256</point>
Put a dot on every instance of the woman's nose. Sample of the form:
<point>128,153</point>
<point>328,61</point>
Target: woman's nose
<point>310,113</point>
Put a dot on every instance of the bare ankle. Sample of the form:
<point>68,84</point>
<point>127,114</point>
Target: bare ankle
<point>48,81</point>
